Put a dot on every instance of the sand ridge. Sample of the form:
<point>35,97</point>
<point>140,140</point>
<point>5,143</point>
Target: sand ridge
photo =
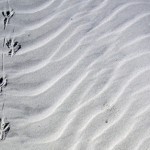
<point>81,77</point>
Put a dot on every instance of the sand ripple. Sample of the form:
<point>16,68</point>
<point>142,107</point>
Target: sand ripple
<point>81,79</point>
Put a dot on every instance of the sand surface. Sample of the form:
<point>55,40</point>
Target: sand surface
<point>81,80</point>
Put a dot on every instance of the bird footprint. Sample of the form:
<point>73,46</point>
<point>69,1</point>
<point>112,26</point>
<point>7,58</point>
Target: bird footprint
<point>13,46</point>
<point>4,128</point>
<point>7,16</point>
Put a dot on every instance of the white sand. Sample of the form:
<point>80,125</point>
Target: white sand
<point>81,80</point>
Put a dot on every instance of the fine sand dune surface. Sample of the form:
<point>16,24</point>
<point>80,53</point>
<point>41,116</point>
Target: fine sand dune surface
<point>81,77</point>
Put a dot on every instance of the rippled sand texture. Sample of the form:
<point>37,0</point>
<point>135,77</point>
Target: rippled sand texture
<point>82,78</point>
